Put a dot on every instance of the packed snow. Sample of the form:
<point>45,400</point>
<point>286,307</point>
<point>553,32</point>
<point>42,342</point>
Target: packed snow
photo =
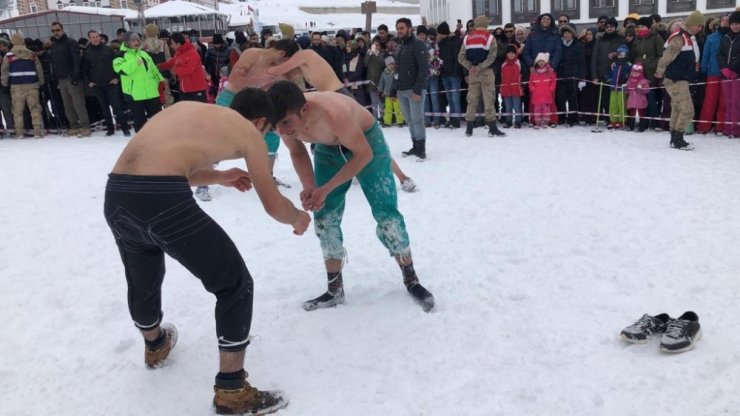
<point>539,248</point>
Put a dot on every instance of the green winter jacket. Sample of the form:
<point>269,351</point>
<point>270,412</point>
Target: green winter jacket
<point>648,50</point>
<point>138,80</point>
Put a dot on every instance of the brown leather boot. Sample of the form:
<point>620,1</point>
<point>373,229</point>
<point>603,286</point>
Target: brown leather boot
<point>247,400</point>
<point>155,357</point>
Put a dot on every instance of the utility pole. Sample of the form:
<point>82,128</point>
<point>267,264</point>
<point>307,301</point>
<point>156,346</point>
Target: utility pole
<point>368,8</point>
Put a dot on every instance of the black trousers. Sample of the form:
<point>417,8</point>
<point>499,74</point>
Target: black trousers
<point>199,96</point>
<point>566,91</point>
<point>143,110</point>
<point>109,96</point>
<point>153,215</point>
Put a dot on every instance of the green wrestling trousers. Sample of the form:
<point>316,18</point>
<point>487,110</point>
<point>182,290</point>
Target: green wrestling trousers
<point>379,187</point>
<point>272,140</point>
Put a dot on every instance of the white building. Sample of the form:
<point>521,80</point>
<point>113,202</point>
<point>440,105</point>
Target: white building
<point>580,11</point>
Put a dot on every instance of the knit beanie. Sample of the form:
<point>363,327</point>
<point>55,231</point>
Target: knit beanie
<point>151,31</point>
<point>645,21</point>
<point>696,18</point>
<point>443,29</point>
<point>567,28</point>
<point>421,29</point>
<point>542,56</point>
<point>129,36</point>
<point>612,22</point>
<point>217,39</point>
<point>481,22</point>
<point>17,40</point>
<point>735,17</point>
<point>623,49</point>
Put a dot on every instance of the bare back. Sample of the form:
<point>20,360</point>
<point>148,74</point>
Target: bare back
<point>250,70</point>
<point>317,72</point>
<point>187,137</point>
<point>329,113</point>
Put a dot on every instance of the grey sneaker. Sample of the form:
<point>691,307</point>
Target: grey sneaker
<point>681,333</point>
<point>643,328</point>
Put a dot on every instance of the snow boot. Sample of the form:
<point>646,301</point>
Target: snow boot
<point>469,128</point>
<point>421,295</point>
<point>643,328</point>
<point>237,396</point>
<point>493,129</point>
<point>412,151</point>
<point>680,143</point>
<point>681,333</point>
<point>156,353</point>
<point>421,149</point>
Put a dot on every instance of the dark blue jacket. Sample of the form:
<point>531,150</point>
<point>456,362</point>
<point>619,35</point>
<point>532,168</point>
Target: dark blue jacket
<point>541,40</point>
<point>573,61</point>
<point>412,63</point>
<point>709,61</point>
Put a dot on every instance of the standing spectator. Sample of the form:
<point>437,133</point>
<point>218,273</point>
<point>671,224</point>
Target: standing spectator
<point>217,57</point>
<point>237,47</point>
<point>588,95</point>
<point>659,26</point>
<point>637,90</point>
<point>520,35</point>
<point>729,62</point>
<point>413,68</point>
<point>51,97</point>
<point>477,55</point>
<point>451,71</point>
<point>545,38</point>
<point>572,74</point>
<point>604,54</point>
<point>542,84</point>
<point>677,65</point>
<point>6,107</point>
<point>388,87</point>
<point>143,84</point>
<point>511,87</point>
<point>564,20</point>
<point>374,64</point>
<point>354,66</point>
<point>65,60</point>
<point>713,108</point>
<point>199,46</point>
<point>187,68</point>
<point>432,103</point>
<point>97,69</point>
<point>600,28</point>
<point>509,36</point>
<point>159,50</point>
<point>617,79</point>
<point>22,72</point>
<point>327,52</point>
<point>387,40</point>
<point>648,49</point>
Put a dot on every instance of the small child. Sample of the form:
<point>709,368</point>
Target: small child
<point>388,88</point>
<point>542,85</point>
<point>618,77</point>
<point>511,87</point>
<point>637,90</point>
<point>223,79</point>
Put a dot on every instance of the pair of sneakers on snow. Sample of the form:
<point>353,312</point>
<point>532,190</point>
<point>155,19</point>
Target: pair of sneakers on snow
<point>233,396</point>
<point>678,335</point>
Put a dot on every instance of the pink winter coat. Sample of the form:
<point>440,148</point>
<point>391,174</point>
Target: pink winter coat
<point>542,85</point>
<point>637,91</point>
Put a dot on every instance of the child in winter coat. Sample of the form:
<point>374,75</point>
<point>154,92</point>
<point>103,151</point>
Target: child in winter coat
<point>638,88</point>
<point>388,88</point>
<point>542,85</point>
<point>511,87</point>
<point>618,77</point>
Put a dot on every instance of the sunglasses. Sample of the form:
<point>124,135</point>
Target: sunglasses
<point>562,21</point>
<point>508,31</point>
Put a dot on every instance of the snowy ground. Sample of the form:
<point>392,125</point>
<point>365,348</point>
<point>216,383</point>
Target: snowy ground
<point>539,248</point>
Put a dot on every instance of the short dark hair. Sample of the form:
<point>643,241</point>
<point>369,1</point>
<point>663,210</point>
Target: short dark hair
<point>656,17</point>
<point>55,23</point>
<point>383,27</point>
<point>287,98</point>
<point>91,31</point>
<point>254,103</point>
<point>404,20</point>
<point>194,32</point>
<point>104,36</point>
<point>120,30</point>
<point>177,38</point>
<point>289,46</point>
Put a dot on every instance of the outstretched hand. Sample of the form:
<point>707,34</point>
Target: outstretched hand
<point>313,199</point>
<point>236,178</point>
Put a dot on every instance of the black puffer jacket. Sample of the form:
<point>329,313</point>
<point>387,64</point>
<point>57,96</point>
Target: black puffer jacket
<point>729,52</point>
<point>65,59</point>
<point>449,48</point>
<point>573,61</point>
<point>601,64</point>
<point>97,64</point>
<point>412,61</point>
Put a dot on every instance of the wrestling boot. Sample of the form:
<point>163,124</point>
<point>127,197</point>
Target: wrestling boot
<point>233,395</point>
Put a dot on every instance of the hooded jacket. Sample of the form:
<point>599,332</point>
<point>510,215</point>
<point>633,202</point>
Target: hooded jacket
<point>709,64</point>
<point>449,49</point>
<point>543,40</point>
<point>186,65</point>
<point>140,81</point>
<point>511,77</point>
<point>542,86</point>
<point>648,51</point>
<point>638,88</point>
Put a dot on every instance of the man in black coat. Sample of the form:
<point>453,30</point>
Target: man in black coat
<point>413,72</point>
<point>97,70</point>
<point>325,51</point>
<point>451,71</point>
<point>572,71</point>
<point>65,64</point>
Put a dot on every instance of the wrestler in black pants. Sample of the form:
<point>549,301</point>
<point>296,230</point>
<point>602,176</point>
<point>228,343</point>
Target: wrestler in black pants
<point>154,215</point>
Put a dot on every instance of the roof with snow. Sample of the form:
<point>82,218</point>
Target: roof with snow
<point>175,8</point>
<point>127,13</point>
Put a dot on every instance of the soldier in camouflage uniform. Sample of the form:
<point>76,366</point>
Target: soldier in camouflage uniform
<point>21,70</point>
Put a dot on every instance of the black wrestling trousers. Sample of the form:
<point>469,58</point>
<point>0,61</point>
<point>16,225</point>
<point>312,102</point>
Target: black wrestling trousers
<point>154,215</point>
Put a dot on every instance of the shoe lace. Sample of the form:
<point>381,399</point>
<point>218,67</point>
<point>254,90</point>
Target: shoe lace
<point>643,323</point>
<point>676,329</point>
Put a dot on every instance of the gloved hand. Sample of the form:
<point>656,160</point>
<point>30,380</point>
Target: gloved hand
<point>162,96</point>
<point>581,85</point>
<point>727,73</point>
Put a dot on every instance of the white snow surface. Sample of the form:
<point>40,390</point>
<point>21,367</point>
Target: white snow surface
<point>539,248</point>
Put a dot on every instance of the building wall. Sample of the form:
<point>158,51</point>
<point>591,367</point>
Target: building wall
<point>581,11</point>
<point>24,6</point>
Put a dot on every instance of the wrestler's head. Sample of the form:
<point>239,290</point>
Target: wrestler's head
<point>290,107</point>
<point>287,48</point>
<point>255,105</point>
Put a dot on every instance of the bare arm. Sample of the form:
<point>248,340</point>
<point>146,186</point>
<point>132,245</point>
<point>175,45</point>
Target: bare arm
<point>298,59</point>
<point>301,161</point>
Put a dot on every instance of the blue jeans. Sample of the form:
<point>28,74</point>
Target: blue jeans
<point>413,112</point>
<point>513,105</point>
<point>452,87</point>
<point>431,103</point>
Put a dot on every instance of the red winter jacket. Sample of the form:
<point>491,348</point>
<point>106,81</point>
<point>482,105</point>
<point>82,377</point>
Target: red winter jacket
<point>542,86</point>
<point>187,66</point>
<point>511,78</point>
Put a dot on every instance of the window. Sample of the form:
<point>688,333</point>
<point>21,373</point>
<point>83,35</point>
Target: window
<point>34,8</point>
<point>720,4</point>
<point>570,7</point>
<point>681,6</point>
<point>524,10</point>
<point>643,7</point>
<point>604,8</point>
<point>97,4</point>
<point>601,4</point>
<point>85,4</point>
<point>124,4</point>
<point>489,8</point>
